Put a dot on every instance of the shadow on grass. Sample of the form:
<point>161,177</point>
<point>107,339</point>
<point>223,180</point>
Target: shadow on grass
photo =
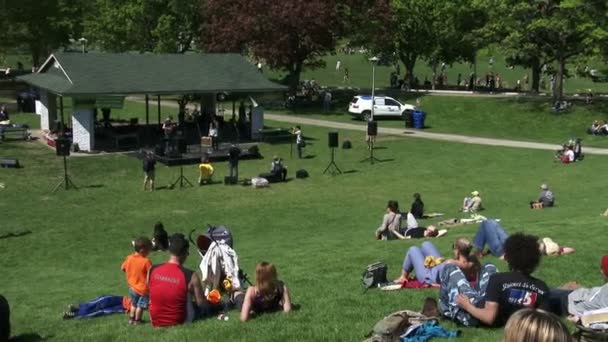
<point>14,234</point>
<point>94,186</point>
<point>350,171</point>
<point>31,337</point>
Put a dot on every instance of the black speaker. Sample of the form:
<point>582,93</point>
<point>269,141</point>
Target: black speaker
<point>62,146</point>
<point>332,139</point>
<point>372,128</point>
<point>10,163</point>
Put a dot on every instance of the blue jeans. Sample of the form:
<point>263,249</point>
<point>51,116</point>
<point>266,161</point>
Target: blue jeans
<point>414,260</point>
<point>491,233</point>
<point>103,305</point>
<point>138,300</point>
<point>453,283</point>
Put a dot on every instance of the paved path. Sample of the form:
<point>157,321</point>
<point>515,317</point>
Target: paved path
<point>408,133</point>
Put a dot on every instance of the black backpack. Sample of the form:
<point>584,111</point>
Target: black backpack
<point>301,174</point>
<point>374,275</point>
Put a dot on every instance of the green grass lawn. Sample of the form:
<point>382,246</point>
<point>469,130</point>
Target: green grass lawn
<point>522,118</point>
<point>318,231</point>
<point>360,72</point>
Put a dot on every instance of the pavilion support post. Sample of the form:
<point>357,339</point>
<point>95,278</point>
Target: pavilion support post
<point>46,107</point>
<point>147,110</point>
<point>83,124</point>
<point>61,113</point>
<point>158,107</point>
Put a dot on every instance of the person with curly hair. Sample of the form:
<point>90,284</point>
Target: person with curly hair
<point>496,296</point>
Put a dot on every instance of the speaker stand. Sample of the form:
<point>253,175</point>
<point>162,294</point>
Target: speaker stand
<point>181,179</point>
<point>66,181</point>
<point>332,167</point>
<point>371,157</point>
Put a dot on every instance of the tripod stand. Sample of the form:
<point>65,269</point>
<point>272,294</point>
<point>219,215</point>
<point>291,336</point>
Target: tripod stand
<point>332,167</point>
<point>181,179</point>
<point>66,181</point>
<point>371,157</point>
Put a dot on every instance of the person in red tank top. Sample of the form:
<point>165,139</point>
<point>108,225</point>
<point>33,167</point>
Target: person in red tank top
<point>172,287</point>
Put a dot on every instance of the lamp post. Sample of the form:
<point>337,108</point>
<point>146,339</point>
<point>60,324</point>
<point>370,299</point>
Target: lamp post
<point>83,41</point>
<point>374,61</point>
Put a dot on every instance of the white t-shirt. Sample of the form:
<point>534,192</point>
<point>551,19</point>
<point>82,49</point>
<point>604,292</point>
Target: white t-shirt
<point>411,221</point>
<point>570,155</point>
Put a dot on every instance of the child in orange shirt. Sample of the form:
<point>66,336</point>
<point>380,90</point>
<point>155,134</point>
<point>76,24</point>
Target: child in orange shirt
<point>136,267</point>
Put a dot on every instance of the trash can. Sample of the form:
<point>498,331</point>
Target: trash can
<point>419,117</point>
<point>409,119</point>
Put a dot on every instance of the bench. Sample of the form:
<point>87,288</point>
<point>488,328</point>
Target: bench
<point>275,134</point>
<point>14,132</point>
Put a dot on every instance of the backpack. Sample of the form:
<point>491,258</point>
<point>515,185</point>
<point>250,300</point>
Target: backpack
<point>374,275</point>
<point>301,174</point>
<point>391,327</point>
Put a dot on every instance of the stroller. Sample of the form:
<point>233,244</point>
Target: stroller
<point>219,262</point>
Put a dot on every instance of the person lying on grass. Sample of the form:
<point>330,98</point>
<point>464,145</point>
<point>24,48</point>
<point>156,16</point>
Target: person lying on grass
<point>490,233</point>
<point>427,262</point>
<point>574,300</point>
<point>495,296</point>
<point>269,293</point>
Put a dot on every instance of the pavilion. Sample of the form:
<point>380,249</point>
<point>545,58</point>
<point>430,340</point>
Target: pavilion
<point>100,80</point>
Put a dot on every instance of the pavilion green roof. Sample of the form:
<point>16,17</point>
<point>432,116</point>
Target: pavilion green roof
<point>84,74</point>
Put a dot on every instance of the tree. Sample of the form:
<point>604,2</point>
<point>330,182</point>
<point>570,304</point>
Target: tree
<point>566,29</point>
<point>41,26</point>
<point>550,31</point>
<point>440,30</point>
<point>288,35</point>
<point>164,26</point>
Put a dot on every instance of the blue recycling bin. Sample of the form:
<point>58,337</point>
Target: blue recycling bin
<point>419,117</point>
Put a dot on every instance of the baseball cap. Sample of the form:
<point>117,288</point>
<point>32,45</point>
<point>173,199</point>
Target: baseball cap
<point>475,193</point>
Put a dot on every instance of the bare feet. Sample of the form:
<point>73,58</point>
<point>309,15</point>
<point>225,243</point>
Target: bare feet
<point>402,279</point>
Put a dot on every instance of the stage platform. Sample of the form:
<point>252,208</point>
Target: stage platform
<point>195,153</point>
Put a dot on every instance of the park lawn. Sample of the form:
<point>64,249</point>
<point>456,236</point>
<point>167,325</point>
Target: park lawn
<point>318,231</point>
<point>520,118</point>
<point>360,72</point>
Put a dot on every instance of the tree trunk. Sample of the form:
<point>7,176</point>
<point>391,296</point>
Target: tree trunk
<point>558,87</point>
<point>294,76</point>
<point>409,61</point>
<point>536,70</point>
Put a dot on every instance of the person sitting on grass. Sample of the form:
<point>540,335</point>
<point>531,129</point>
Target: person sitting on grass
<point>278,171</point>
<point>172,286</point>
<point>536,325</point>
<point>427,263</point>
<point>490,233</point>
<point>136,267</point>
<point>391,223</point>
<point>269,293</point>
<point>472,204</point>
<point>596,128</point>
<point>546,198</point>
<point>417,208</point>
<point>496,296</point>
<point>205,171</point>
